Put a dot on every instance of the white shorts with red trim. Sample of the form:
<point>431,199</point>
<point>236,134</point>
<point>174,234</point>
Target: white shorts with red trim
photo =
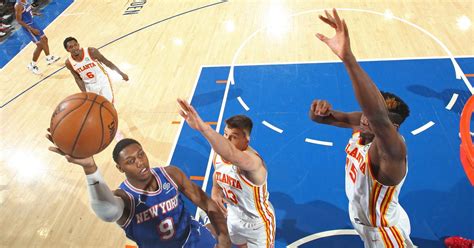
<point>103,88</point>
<point>397,236</point>
<point>253,232</point>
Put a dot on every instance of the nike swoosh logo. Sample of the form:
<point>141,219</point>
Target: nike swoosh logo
<point>94,183</point>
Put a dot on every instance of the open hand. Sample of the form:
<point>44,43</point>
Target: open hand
<point>191,116</point>
<point>339,43</point>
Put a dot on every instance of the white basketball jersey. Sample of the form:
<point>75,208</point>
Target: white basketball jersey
<point>251,200</point>
<point>91,71</point>
<point>370,202</point>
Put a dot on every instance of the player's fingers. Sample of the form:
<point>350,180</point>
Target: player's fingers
<point>56,150</point>
<point>322,37</point>
<point>180,102</point>
<point>326,20</point>
<point>337,19</point>
<point>49,137</point>
<point>183,114</point>
<point>313,105</point>
<point>346,31</point>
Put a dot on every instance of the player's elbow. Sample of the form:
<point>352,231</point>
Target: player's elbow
<point>107,212</point>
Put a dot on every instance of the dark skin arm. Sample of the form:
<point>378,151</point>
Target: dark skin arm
<point>98,56</point>
<point>321,112</point>
<point>77,78</point>
<point>200,199</point>
<point>18,12</point>
<point>388,151</point>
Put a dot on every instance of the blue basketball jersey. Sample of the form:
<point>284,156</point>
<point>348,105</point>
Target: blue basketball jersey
<point>159,218</point>
<point>27,14</point>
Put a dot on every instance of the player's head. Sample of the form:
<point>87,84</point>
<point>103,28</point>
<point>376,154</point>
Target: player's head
<point>237,131</point>
<point>397,108</point>
<point>132,160</point>
<point>71,45</point>
<point>398,111</point>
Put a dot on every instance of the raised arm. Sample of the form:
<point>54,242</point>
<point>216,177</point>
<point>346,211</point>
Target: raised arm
<point>107,206</point>
<point>102,59</point>
<point>321,111</point>
<point>200,199</point>
<point>244,160</point>
<point>77,78</point>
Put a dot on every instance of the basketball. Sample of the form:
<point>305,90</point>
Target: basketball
<point>83,124</point>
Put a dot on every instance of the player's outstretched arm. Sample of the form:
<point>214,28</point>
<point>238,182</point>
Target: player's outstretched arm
<point>391,150</point>
<point>105,205</point>
<point>222,146</point>
<point>102,59</point>
<point>200,199</point>
<point>321,111</point>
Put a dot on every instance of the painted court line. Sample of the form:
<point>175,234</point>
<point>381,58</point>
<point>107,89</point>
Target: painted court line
<point>322,235</point>
<point>243,103</point>
<point>422,128</point>
<point>318,142</point>
<point>272,127</point>
<point>452,101</point>
<point>197,178</point>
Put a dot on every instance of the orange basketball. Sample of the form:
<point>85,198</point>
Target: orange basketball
<point>83,124</point>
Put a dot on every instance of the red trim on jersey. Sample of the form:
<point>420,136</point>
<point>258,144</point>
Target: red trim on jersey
<point>144,192</point>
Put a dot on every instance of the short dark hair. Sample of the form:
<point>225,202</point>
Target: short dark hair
<point>67,40</point>
<point>240,121</point>
<point>120,146</point>
<point>397,106</point>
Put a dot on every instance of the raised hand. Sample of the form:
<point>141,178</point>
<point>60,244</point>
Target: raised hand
<point>191,116</point>
<point>339,43</point>
<point>87,163</point>
<point>321,108</point>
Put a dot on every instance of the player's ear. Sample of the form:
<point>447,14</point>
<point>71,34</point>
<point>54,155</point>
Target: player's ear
<point>119,167</point>
<point>397,126</point>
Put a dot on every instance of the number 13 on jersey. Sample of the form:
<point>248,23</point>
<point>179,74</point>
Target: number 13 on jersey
<point>229,194</point>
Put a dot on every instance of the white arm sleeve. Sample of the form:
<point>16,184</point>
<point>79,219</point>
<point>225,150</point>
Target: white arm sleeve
<point>105,205</point>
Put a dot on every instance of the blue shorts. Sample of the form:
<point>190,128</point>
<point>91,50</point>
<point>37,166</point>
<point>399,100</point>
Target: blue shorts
<point>199,237</point>
<point>34,38</point>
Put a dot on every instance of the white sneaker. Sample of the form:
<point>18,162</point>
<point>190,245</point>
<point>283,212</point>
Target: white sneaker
<point>5,25</point>
<point>52,59</point>
<point>2,34</point>
<point>33,68</point>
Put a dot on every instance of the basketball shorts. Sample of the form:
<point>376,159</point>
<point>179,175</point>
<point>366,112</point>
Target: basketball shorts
<point>33,37</point>
<point>103,88</point>
<point>256,233</point>
<point>381,237</point>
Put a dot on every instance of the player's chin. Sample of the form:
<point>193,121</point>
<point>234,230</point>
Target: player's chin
<point>144,173</point>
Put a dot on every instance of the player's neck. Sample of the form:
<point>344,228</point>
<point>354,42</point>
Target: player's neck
<point>149,185</point>
<point>79,56</point>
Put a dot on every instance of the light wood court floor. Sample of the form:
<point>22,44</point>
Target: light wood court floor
<point>43,199</point>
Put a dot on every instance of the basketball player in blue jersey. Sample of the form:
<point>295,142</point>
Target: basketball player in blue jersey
<point>376,161</point>
<point>148,204</point>
<point>24,17</point>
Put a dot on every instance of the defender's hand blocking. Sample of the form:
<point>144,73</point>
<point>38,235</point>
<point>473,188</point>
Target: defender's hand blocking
<point>191,116</point>
<point>218,198</point>
<point>321,108</point>
<point>340,43</point>
<point>84,162</point>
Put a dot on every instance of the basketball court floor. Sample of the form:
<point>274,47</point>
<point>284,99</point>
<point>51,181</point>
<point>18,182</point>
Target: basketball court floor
<point>258,58</point>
